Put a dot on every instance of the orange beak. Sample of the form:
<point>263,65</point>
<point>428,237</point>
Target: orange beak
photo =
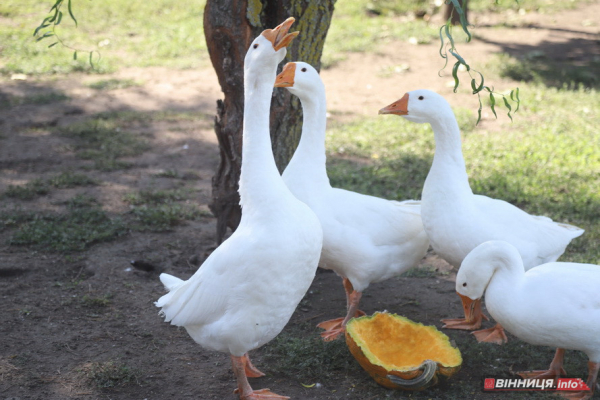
<point>286,77</point>
<point>279,35</point>
<point>472,312</point>
<point>399,107</point>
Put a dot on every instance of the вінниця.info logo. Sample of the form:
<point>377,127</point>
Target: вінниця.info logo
<point>498,384</point>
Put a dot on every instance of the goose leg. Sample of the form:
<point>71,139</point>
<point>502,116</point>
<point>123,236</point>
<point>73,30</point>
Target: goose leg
<point>491,335</point>
<point>473,316</point>
<point>249,368</point>
<point>556,369</point>
<point>335,327</point>
<point>591,382</point>
<point>244,389</point>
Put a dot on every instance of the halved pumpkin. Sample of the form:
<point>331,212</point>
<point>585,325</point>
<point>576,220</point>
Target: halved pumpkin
<point>399,353</point>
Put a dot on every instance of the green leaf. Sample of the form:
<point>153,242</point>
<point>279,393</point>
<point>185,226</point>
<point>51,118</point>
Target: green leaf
<point>507,104</point>
<point>460,59</point>
<point>71,13</point>
<point>480,87</point>
<point>463,19</point>
<point>455,75</point>
<point>40,28</point>
<point>516,98</point>
<point>45,35</point>
<point>493,104</point>
<point>56,5</point>
<point>75,55</point>
<point>53,44</point>
<point>60,14</point>
<point>448,28</point>
<point>479,110</point>
<point>443,55</point>
<point>91,60</point>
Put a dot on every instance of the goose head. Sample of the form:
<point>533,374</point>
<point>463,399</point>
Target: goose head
<point>269,48</point>
<point>301,79</point>
<point>419,106</point>
<point>479,266</point>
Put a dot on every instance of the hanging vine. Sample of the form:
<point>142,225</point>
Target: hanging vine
<point>47,30</point>
<point>448,48</point>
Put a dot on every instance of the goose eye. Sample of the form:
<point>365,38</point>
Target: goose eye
<point>421,98</point>
<point>303,70</point>
<point>464,284</point>
<point>255,45</point>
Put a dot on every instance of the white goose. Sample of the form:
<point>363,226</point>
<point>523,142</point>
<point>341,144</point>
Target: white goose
<point>246,291</point>
<point>365,239</point>
<point>555,304</point>
<point>457,220</point>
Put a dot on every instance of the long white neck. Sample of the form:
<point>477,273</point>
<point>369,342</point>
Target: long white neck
<point>259,180</point>
<point>309,160</point>
<point>448,171</point>
<point>507,278</point>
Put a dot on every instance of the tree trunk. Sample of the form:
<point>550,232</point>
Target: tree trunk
<point>229,27</point>
<point>450,12</point>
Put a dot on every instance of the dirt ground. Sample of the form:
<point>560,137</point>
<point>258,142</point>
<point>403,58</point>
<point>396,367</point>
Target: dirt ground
<point>53,338</point>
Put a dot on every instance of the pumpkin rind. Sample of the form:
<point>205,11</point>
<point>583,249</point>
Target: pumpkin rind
<point>368,336</point>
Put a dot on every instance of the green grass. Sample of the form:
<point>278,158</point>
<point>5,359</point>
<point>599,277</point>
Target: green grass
<point>307,357</point>
<point>424,271</point>
<point>539,6</point>
<point>83,223</point>
<point>170,34</point>
<point>539,68</point>
<point>160,210</point>
<point>168,173</point>
<point>40,187</point>
<point>14,218</point>
<point>81,201</point>
<point>394,7</point>
<point>72,179</point>
<point>74,230</point>
<point>96,302</point>
<point>132,33</point>
<point>155,196</point>
<point>103,141</point>
<point>363,26</point>
<point>546,162</point>
<point>29,191</point>
<point>355,28</point>
<point>110,374</point>
<point>33,99</point>
<point>113,83</point>
<point>163,217</point>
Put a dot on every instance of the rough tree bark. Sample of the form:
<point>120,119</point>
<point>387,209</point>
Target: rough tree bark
<point>229,28</point>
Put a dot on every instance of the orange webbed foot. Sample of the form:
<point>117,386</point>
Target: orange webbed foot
<point>333,334</point>
<point>249,368</point>
<point>331,324</point>
<point>461,323</point>
<point>240,369</point>
<point>491,335</point>
<point>334,328</point>
<point>473,316</point>
<point>555,370</point>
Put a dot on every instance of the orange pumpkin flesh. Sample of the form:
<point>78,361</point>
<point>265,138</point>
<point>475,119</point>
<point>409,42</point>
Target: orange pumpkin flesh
<point>388,344</point>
